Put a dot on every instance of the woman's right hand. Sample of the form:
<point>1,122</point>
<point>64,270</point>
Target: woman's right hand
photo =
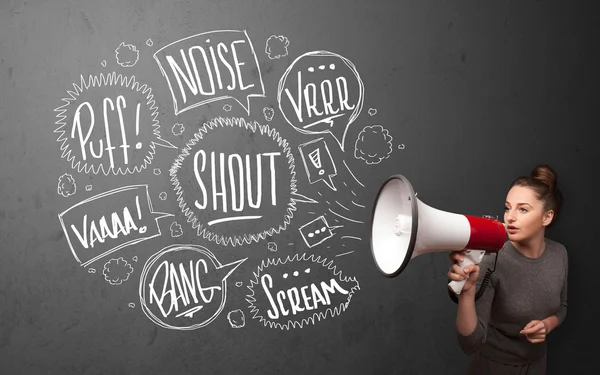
<point>458,273</point>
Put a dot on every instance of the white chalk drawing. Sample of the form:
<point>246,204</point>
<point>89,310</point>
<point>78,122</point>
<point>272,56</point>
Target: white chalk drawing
<point>135,258</point>
<point>149,43</point>
<point>117,271</point>
<point>321,92</point>
<point>358,205</point>
<point>268,112</point>
<point>254,189</point>
<point>342,206</point>
<point>103,63</point>
<point>316,231</point>
<point>91,270</point>
<point>372,111</point>
<point>353,176</point>
<point>110,221</point>
<point>303,298</point>
<point>276,46</point>
<point>272,246</point>
<point>318,163</point>
<point>131,304</point>
<point>227,107</point>
<point>236,318</point>
<point>127,55</point>
<point>373,144</point>
<point>162,196</point>
<point>347,253</point>
<point>177,129</point>
<point>157,171</point>
<point>346,218</point>
<point>184,287</point>
<point>88,187</point>
<point>239,284</point>
<point>176,230</point>
<point>88,146</point>
<point>401,146</point>
<point>66,185</point>
<point>352,237</point>
<point>194,79</point>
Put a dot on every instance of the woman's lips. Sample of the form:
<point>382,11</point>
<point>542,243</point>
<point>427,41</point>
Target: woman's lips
<point>510,229</point>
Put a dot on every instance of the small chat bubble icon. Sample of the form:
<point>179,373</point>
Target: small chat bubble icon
<point>110,221</point>
<point>316,232</point>
<point>100,131</point>
<point>318,162</point>
<point>321,92</point>
<point>211,66</point>
<point>184,287</point>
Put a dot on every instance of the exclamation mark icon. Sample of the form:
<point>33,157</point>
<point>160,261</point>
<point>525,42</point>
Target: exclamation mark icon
<point>315,159</point>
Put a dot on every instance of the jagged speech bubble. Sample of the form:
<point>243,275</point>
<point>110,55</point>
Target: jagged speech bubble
<point>211,66</point>
<point>184,287</point>
<point>321,92</point>
<point>235,181</point>
<point>299,290</point>
<point>103,131</point>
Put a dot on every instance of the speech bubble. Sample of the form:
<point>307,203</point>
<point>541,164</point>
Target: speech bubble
<point>235,181</point>
<point>321,92</point>
<point>316,231</point>
<point>107,222</point>
<point>318,163</point>
<point>109,124</point>
<point>211,66</point>
<point>184,287</point>
<point>299,290</point>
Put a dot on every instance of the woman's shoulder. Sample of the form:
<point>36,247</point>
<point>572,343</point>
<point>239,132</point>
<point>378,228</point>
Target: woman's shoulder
<point>556,247</point>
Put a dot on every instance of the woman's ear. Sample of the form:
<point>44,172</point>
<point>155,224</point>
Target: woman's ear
<point>548,216</point>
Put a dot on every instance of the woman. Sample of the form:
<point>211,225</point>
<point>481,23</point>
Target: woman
<point>526,298</point>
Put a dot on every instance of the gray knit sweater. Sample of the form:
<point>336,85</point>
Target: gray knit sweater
<point>521,289</point>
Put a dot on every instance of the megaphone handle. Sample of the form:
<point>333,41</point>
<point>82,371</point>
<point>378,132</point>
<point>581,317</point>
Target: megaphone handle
<point>470,257</point>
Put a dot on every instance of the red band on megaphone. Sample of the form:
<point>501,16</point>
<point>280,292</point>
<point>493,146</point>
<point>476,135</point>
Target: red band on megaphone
<point>486,234</point>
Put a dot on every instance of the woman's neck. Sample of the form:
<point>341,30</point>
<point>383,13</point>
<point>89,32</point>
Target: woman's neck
<point>533,247</point>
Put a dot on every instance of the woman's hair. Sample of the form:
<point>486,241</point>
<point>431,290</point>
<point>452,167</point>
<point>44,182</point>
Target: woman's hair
<point>543,181</point>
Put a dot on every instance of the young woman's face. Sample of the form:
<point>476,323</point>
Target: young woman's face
<point>524,214</point>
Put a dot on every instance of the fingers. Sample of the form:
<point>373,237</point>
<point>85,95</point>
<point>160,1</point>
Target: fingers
<point>458,274</point>
<point>536,338</point>
<point>533,327</point>
<point>536,341</point>
<point>456,256</point>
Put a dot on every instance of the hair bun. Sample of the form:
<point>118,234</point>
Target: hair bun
<point>545,174</point>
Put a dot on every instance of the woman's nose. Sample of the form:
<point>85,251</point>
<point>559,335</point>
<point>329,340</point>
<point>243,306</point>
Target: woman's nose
<point>510,216</point>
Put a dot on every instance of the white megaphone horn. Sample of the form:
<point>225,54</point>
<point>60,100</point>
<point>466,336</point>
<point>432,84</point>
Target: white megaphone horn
<point>403,227</point>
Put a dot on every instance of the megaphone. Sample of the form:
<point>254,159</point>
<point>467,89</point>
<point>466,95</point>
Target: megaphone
<point>403,227</point>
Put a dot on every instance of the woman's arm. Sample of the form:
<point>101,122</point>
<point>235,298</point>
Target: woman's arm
<point>472,316</point>
<point>466,316</point>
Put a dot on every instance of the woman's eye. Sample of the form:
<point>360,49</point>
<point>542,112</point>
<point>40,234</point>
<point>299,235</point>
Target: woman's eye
<point>506,209</point>
<point>523,210</point>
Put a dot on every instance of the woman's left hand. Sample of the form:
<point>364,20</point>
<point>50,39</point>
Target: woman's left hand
<point>535,331</point>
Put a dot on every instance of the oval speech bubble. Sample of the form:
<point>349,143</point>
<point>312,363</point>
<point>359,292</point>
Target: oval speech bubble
<point>321,92</point>
<point>184,287</point>
<point>109,124</point>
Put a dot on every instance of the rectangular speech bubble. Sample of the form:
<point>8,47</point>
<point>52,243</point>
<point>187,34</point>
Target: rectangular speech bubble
<point>211,66</point>
<point>107,222</point>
